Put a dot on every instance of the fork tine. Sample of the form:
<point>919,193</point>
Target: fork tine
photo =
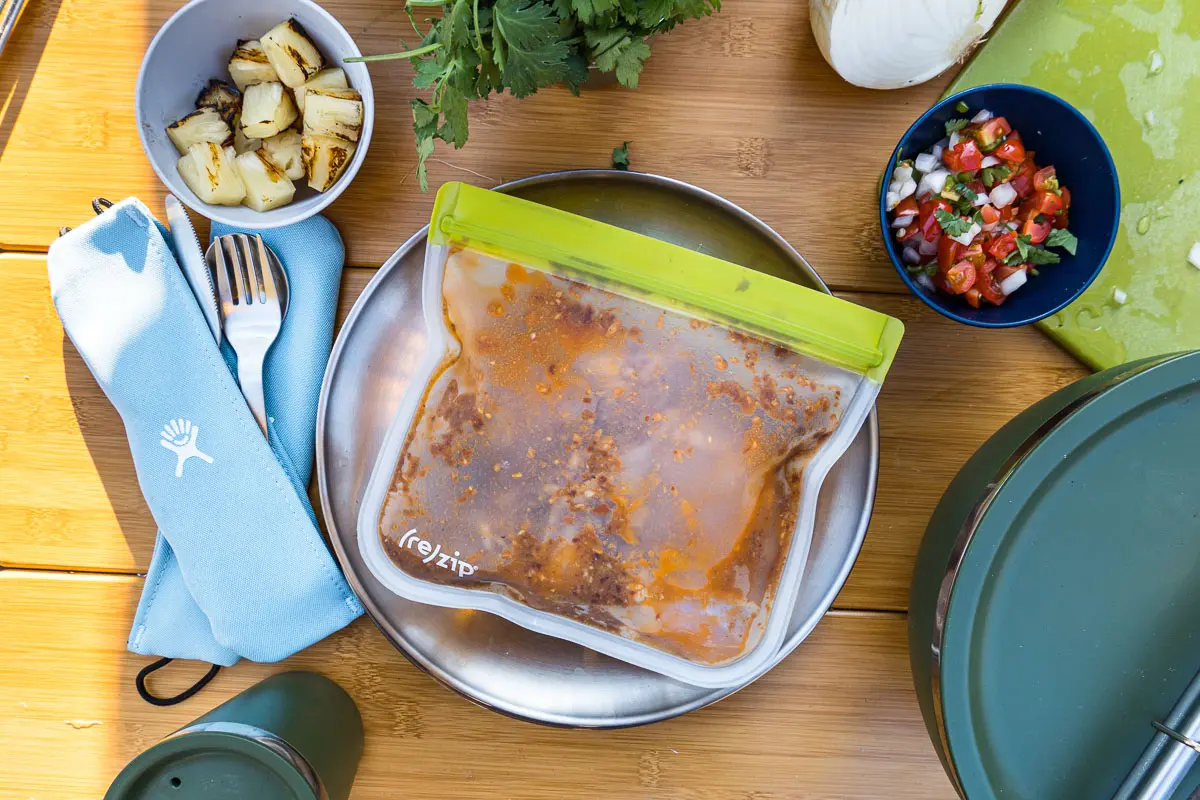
<point>263,260</point>
<point>244,288</point>
<point>222,270</point>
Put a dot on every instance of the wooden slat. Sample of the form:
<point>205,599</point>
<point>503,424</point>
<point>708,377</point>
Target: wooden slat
<point>741,104</point>
<point>69,497</point>
<point>836,719</point>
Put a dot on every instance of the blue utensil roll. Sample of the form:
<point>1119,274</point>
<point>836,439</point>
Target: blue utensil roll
<point>240,569</point>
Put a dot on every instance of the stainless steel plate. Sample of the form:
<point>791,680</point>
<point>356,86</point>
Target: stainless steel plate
<point>491,661</point>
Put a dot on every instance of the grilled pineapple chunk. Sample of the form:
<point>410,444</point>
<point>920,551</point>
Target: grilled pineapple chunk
<point>266,185</point>
<point>249,65</point>
<point>333,112</point>
<point>202,125</point>
<point>284,150</point>
<point>292,53</point>
<point>267,108</point>
<point>332,78</point>
<point>241,142</point>
<point>222,98</point>
<point>325,159</point>
<point>209,171</point>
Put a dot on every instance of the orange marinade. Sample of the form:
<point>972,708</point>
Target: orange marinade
<point>599,458</point>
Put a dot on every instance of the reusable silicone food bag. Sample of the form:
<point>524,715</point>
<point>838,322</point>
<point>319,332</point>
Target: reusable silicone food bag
<point>614,440</point>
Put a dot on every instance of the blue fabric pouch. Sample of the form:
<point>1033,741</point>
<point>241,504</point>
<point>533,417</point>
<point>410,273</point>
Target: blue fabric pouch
<point>240,569</point>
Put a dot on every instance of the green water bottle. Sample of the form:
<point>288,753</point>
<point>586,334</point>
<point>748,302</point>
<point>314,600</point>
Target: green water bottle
<point>294,736</point>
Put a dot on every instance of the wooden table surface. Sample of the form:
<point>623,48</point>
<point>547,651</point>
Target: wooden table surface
<point>741,104</point>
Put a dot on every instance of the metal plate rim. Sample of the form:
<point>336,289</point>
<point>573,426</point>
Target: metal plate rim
<point>496,704</point>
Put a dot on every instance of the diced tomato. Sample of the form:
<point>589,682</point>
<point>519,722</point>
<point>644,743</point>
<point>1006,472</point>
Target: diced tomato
<point>1060,220</point>
<point>987,284</point>
<point>929,224</point>
<point>1004,270</point>
<point>972,296</point>
<point>991,132</point>
<point>977,186</point>
<point>1045,179</point>
<point>1066,197</point>
<point>907,206</point>
<point>964,156</point>
<point>1003,245</point>
<point>975,254</point>
<point>949,251</point>
<point>1047,203</point>
<point>1036,231</point>
<point>990,214</point>
<point>960,277</point>
<point>912,235</point>
<point>1012,151</point>
<point>1009,212</point>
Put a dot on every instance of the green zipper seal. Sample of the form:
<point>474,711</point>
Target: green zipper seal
<point>666,275</point>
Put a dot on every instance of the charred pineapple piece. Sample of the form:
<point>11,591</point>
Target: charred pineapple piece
<point>284,150</point>
<point>325,159</point>
<point>266,185</point>
<point>332,78</point>
<point>333,112</point>
<point>222,98</point>
<point>202,125</point>
<point>208,170</point>
<point>267,108</point>
<point>249,65</point>
<point>292,53</point>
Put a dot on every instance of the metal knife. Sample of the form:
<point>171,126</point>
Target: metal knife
<point>191,261</point>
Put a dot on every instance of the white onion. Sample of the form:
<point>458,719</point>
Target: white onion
<point>902,173</point>
<point>982,116</point>
<point>991,226</point>
<point>926,282</point>
<point>1194,255</point>
<point>972,232</point>
<point>1013,282</point>
<point>981,200</point>
<point>886,44</point>
<point>911,256</point>
<point>893,199</point>
<point>990,161</point>
<point>927,162</point>
<point>927,248</point>
<point>903,222</point>
<point>1119,296</point>
<point>955,138</point>
<point>933,183</point>
<point>1003,195</point>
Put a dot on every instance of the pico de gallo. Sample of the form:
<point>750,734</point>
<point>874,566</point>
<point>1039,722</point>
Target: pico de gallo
<point>975,214</point>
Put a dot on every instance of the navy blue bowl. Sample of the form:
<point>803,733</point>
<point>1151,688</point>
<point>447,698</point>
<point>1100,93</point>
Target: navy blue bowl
<point>1059,135</point>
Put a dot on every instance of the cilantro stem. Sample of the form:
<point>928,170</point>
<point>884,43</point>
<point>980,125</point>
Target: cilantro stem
<point>425,3</point>
<point>478,33</point>
<point>420,51</point>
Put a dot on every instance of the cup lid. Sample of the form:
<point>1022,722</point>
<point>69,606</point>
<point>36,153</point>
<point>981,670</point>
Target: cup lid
<point>214,765</point>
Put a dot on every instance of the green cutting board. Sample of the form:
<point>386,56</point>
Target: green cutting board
<point>1097,55</point>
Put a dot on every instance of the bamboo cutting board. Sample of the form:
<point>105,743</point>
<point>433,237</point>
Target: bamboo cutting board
<point>1133,68</point>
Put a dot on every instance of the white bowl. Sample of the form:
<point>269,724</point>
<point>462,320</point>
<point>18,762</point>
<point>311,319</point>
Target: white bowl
<point>194,46</point>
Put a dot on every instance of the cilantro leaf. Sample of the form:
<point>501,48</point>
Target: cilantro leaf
<point>993,175</point>
<point>1028,253</point>
<point>953,125</point>
<point>1039,256</point>
<point>454,114</point>
<point>952,224</point>
<point>1062,238</point>
<point>527,45</point>
<point>620,156</point>
<point>618,50</point>
<point>964,191</point>
<point>1024,245</point>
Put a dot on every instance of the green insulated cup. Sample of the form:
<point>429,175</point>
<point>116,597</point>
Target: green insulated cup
<point>295,736</point>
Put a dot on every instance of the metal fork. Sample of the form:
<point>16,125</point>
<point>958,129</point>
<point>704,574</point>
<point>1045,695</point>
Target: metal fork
<point>251,310</point>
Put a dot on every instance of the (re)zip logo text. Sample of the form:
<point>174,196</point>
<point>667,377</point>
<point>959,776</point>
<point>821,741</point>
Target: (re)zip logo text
<point>428,552</point>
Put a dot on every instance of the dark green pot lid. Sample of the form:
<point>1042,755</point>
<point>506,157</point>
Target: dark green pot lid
<point>210,766</point>
<point>1074,621</point>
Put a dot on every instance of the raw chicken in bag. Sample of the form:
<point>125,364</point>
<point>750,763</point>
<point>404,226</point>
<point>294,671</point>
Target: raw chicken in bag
<point>615,440</point>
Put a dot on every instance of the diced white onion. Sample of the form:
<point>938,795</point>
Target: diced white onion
<point>1013,282</point>
<point>927,162</point>
<point>1003,195</point>
<point>955,138</point>
<point>902,173</point>
<point>933,183</point>
<point>925,282</point>
<point>990,161</point>
<point>893,200</point>
<point>982,116</point>
<point>911,256</point>
<point>1012,226</point>
<point>938,151</point>
<point>908,189</point>
<point>1194,255</point>
<point>982,200</point>
<point>1119,296</point>
<point>971,233</point>
<point>927,248</point>
<point>991,226</point>
<point>903,222</point>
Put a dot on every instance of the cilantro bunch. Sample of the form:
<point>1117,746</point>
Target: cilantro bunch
<point>482,46</point>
